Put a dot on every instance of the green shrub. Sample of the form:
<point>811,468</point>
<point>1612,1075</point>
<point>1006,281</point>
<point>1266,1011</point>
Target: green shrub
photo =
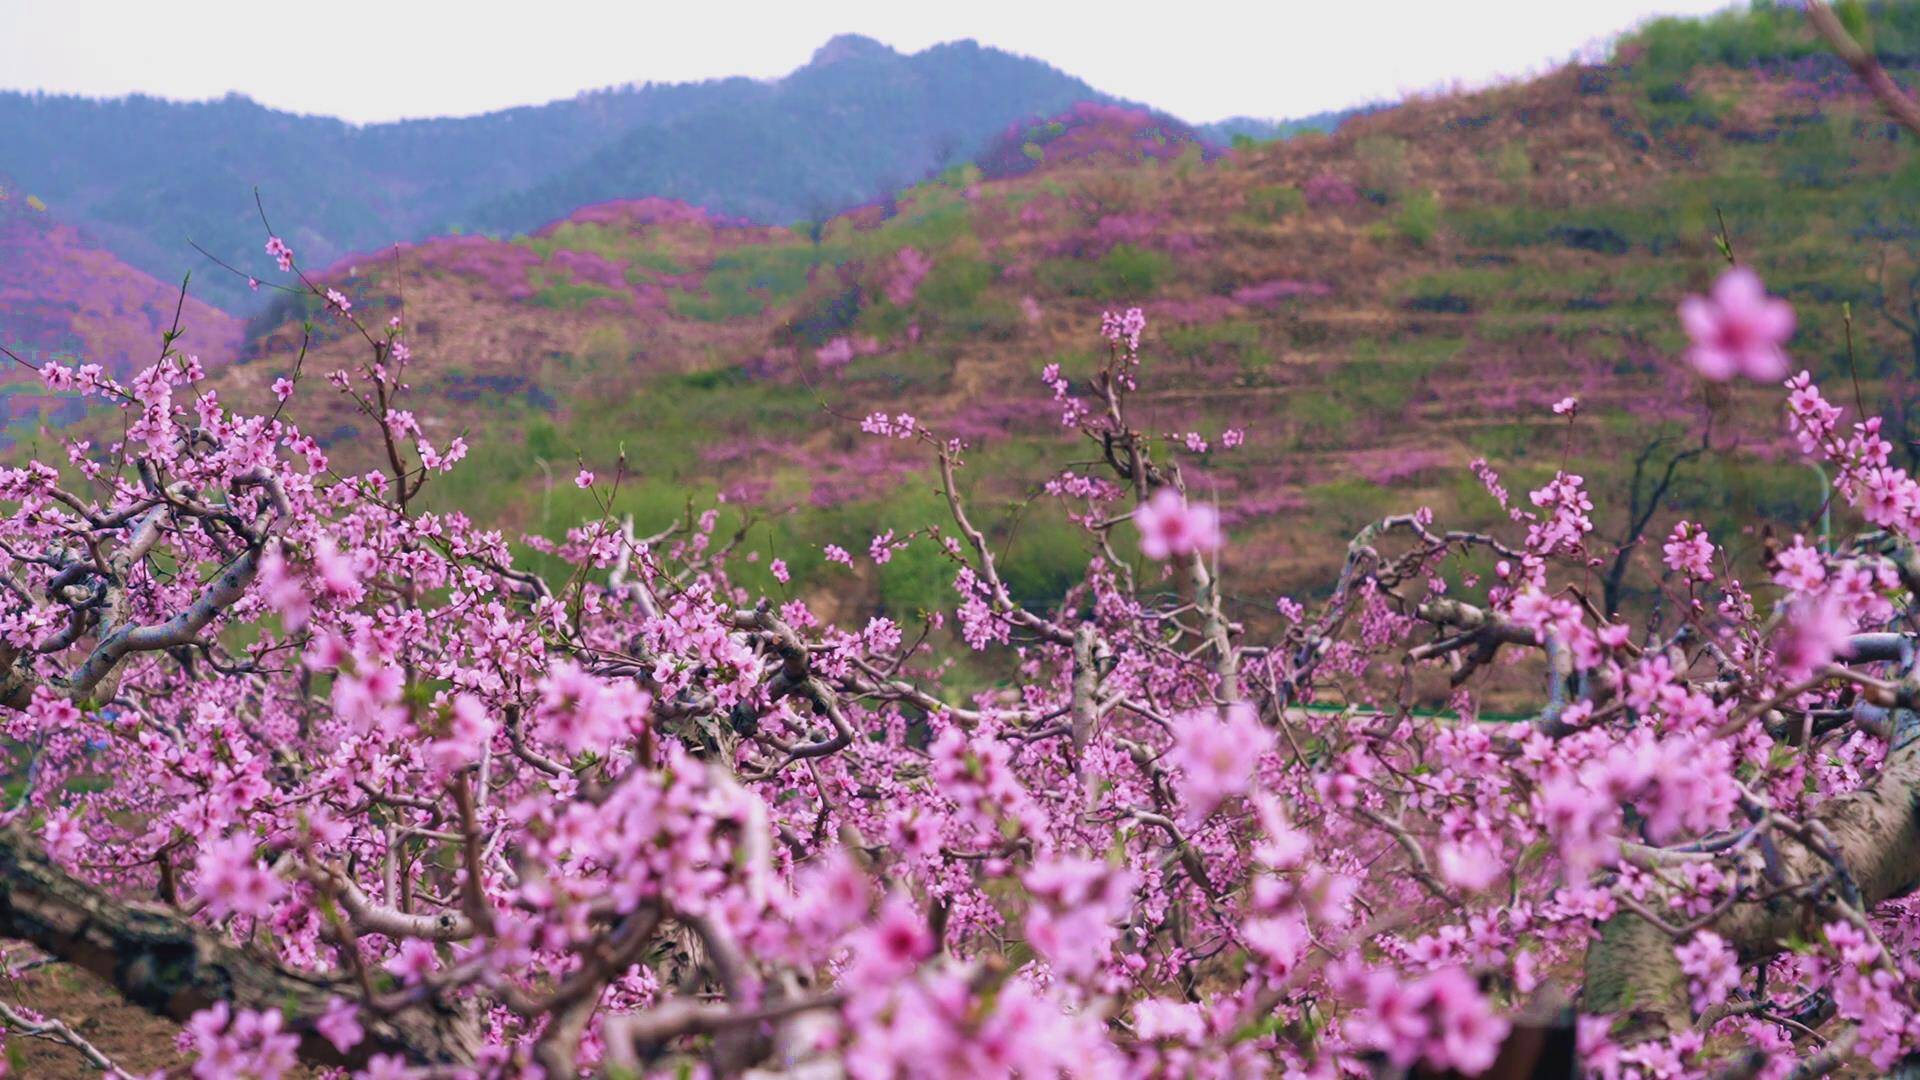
<point>1514,166</point>
<point>1318,414</point>
<point>955,283</point>
<point>1124,273</point>
<point>571,295</point>
<point>1046,556</point>
<point>933,220</point>
<point>1417,221</point>
<point>1350,502</point>
<point>1233,340</point>
<point>607,346</point>
<point>714,307</point>
<point>1380,387</point>
<point>1128,272</point>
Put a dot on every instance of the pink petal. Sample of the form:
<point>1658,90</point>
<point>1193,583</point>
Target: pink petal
<point>1699,319</point>
<point>1712,363</point>
<point>1739,288</point>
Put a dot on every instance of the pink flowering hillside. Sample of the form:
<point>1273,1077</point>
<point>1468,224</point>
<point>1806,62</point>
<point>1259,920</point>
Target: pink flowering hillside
<point>1343,324</point>
<point>61,296</point>
<point>1089,132</point>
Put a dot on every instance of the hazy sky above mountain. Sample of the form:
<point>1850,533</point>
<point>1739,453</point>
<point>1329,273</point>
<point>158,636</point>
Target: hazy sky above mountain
<point>1202,60</point>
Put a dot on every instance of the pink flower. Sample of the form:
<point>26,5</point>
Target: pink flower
<point>233,881</point>
<point>1159,1018</point>
<point>414,962</point>
<point>1688,551</point>
<point>901,933</point>
<point>891,946</point>
<point>778,568</point>
<point>283,388</point>
<point>1799,567</point>
<point>338,301</point>
<point>1816,630</point>
<point>1711,968</point>
<point>1216,755</point>
<point>340,1024</point>
<point>583,479</point>
<point>246,1043</point>
<point>386,1067</point>
<point>1854,947</point>
<point>338,578</point>
<point>1442,1019</point>
<point>284,591</point>
<point>63,835</point>
<point>910,266</point>
<point>580,711</point>
<point>467,735</point>
<point>1470,1033</point>
<point>835,354</point>
<point>1170,527</point>
<point>281,253</point>
<point>1279,941</point>
<point>1469,864</point>
<point>1078,902</point>
<point>1738,329</point>
<point>1566,406</point>
<point>1124,329</point>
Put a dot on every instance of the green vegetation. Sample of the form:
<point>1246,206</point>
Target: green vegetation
<point>1124,273</point>
<point>571,295</point>
<point>744,281</point>
<point>1417,220</point>
<point>1667,50</point>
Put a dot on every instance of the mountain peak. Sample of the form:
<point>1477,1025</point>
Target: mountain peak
<point>848,47</point>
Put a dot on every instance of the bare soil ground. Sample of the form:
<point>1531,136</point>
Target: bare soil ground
<point>136,1040</point>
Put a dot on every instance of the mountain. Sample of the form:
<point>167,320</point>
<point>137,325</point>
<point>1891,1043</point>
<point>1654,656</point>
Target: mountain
<point>144,175</point>
<point>1262,129</point>
<point>858,122</point>
<point>64,298</point>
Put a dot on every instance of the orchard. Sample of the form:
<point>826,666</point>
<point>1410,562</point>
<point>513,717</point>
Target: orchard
<point>345,783</point>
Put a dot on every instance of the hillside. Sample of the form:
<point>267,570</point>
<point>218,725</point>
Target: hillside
<point>1375,309</point>
<point>63,296</point>
<point>857,121</point>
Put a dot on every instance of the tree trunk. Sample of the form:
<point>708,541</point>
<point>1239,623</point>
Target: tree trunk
<point>161,961</point>
<point>1632,970</point>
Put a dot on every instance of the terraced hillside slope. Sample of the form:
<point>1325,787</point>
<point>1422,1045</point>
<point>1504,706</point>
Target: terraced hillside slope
<point>63,296</point>
<point>1374,309</point>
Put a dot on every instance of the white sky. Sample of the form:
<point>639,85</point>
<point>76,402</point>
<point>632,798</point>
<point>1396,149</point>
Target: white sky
<point>368,60</point>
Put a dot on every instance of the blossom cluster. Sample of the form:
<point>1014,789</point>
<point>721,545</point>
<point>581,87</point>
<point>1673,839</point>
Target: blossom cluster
<point>479,817</point>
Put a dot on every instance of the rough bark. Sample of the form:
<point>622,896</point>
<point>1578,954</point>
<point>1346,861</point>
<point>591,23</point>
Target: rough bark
<point>159,960</point>
<point>1632,970</point>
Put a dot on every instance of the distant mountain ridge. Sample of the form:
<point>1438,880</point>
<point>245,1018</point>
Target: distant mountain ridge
<point>1263,129</point>
<point>858,121</point>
